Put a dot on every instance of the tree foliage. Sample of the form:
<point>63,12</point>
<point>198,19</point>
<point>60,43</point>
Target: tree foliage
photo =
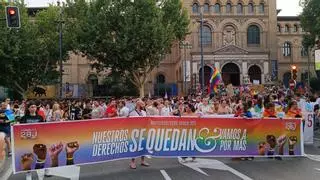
<point>310,21</point>
<point>29,55</point>
<point>128,36</point>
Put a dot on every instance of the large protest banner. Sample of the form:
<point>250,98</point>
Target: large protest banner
<point>46,145</point>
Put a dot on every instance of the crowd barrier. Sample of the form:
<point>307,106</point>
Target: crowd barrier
<point>47,145</point>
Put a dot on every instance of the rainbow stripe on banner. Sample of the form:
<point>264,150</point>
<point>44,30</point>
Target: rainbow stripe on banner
<point>214,80</point>
<point>56,144</point>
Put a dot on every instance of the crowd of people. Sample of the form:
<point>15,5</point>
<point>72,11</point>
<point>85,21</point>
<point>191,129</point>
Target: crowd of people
<point>271,102</point>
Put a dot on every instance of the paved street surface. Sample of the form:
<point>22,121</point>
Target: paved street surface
<point>203,169</point>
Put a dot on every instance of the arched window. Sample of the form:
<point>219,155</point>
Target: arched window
<point>228,8</point>
<point>250,8</point>
<point>253,34</point>
<point>239,8</point>
<point>161,79</point>
<point>295,28</point>
<point>261,8</point>
<point>195,8</point>
<point>286,28</point>
<point>278,28</point>
<point>304,51</point>
<point>206,8</point>
<point>286,49</point>
<point>206,36</point>
<point>217,8</point>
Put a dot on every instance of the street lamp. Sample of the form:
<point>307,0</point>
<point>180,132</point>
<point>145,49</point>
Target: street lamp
<point>60,48</point>
<point>185,45</point>
<point>201,52</point>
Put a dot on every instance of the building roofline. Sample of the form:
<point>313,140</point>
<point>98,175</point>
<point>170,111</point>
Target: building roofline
<point>288,18</point>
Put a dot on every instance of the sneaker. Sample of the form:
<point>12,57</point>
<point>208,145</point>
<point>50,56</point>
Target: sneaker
<point>250,158</point>
<point>278,158</point>
<point>46,173</point>
<point>145,164</point>
<point>193,159</point>
<point>183,160</point>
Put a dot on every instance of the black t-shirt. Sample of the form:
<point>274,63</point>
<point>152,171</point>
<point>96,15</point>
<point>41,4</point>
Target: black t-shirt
<point>75,113</point>
<point>31,119</point>
<point>3,118</point>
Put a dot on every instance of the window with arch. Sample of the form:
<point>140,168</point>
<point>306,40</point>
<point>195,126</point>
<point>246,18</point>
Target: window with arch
<point>161,79</point>
<point>304,51</point>
<point>286,28</point>
<point>278,28</point>
<point>295,28</point>
<point>217,8</point>
<point>206,36</point>
<point>206,8</point>
<point>228,8</point>
<point>195,8</point>
<point>250,8</point>
<point>239,8</point>
<point>253,35</point>
<point>286,49</point>
<point>261,8</point>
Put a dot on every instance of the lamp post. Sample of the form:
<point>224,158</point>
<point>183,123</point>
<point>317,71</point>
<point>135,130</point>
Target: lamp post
<point>201,52</point>
<point>60,48</point>
<point>185,45</point>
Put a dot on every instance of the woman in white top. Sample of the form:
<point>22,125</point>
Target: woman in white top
<point>166,110</point>
<point>48,111</point>
<point>138,111</point>
<point>205,108</point>
<point>56,113</point>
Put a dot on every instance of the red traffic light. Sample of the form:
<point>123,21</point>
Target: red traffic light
<point>12,12</point>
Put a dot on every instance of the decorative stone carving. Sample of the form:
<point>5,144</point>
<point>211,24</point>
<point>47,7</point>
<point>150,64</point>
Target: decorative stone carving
<point>230,49</point>
<point>267,78</point>
<point>229,36</point>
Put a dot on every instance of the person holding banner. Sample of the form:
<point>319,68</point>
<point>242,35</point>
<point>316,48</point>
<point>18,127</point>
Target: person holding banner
<point>5,126</point>
<point>189,111</point>
<point>138,111</point>
<point>270,111</point>
<point>31,115</point>
<point>293,110</point>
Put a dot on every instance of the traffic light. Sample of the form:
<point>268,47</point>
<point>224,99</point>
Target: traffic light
<point>294,72</point>
<point>13,17</point>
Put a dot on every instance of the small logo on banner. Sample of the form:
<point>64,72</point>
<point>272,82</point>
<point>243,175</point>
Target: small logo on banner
<point>291,126</point>
<point>28,134</point>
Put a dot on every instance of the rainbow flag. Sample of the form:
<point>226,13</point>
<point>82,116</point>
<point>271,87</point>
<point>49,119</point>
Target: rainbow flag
<point>214,80</point>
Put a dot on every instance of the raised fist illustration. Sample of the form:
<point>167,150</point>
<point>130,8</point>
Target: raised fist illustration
<point>26,161</point>
<point>271,140</point>
<point>55,150</point>
<point>40,150</point>
<point>262,148</point>
<point>281,141</point>
<point>72,147</point>
<point>292,142</point>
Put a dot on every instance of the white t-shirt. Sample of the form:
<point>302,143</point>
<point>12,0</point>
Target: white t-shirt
<point>124,112</point>
<point>135,113</point>
<point>165,111</point>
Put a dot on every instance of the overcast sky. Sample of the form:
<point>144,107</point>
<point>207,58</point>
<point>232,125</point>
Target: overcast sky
<point>289,7</point>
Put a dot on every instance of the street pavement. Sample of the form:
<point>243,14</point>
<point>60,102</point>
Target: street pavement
<point>303,168</point>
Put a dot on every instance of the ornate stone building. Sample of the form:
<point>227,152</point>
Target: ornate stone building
<point>244,39</point>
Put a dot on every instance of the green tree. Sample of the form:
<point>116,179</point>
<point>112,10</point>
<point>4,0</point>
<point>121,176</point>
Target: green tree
<point>29,55</point>
<point>131,37</point>
<point>310,21</point>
